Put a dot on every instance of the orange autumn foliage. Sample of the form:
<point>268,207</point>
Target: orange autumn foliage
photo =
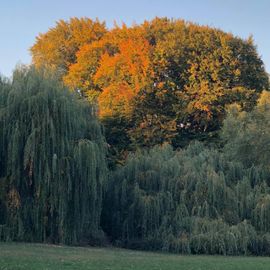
<point>169,79</point>
<point>57,48</point>
<point>81,73</point>
<point>115,100</point>
<point>120,60</point>
<point>122,76</point>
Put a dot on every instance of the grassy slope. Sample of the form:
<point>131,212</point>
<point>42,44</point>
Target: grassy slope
<point>34,256</point>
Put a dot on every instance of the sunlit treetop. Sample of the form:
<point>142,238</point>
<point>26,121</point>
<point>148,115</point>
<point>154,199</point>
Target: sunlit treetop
<point>58,46</point>
<point>163,75</point>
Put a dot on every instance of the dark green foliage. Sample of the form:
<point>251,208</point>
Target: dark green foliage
<point>247,134</point>
<point>191,201</point>
<point>198,200</point>
<point>52,166</point>
<point>117,140</point>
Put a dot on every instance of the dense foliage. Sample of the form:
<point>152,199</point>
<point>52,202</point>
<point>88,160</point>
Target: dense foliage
<point>157,85</point>
<point>52,162</point>
<point>198,200</point>
<point>162,81</point>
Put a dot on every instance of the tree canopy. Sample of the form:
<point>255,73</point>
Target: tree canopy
<point>171,80</point>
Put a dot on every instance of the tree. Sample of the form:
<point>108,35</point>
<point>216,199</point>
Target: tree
<point>166,80</point>
<point>53,169</point>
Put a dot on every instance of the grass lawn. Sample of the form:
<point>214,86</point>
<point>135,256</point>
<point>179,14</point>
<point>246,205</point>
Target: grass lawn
<point>14,256</point>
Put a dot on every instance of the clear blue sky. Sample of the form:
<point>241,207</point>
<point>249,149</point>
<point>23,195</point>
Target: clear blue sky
<point>22,20</point>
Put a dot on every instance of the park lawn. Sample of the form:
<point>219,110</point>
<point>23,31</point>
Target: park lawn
<point>20,256</point>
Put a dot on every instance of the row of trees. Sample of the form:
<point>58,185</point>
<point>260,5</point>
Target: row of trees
<point>155,87</point>
<point>161,81</point>
<point>199,199</point>
<point>54,188</point>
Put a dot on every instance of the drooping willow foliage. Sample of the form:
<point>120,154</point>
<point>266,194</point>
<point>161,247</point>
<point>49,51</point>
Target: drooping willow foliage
<point>52,162</point>
<point>191,201</point>
<point>198,200</point>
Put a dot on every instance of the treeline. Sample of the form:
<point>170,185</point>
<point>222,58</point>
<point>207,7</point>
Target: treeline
<point>197,200</point>
<point>180,162</point>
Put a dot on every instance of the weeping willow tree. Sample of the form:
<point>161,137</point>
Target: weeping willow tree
<point>52,167</point>
<point>189,201</point>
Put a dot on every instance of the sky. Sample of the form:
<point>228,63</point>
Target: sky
<point>22,20</point>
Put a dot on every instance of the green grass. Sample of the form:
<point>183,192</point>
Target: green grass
<point>14,256</point>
